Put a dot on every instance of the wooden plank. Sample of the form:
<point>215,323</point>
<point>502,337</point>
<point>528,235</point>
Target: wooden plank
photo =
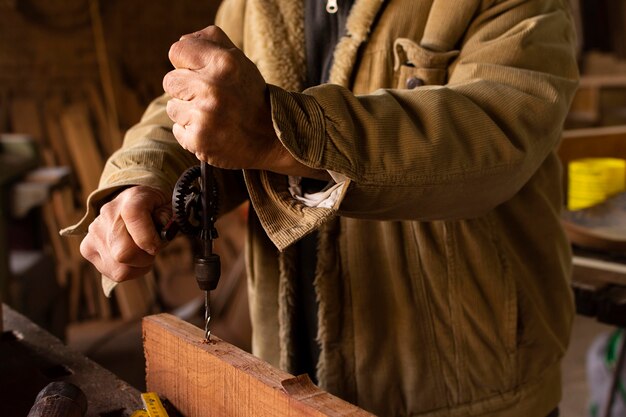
<point>585,107</point>
<point>599,101</point>
<point>607,272</point>
<point>216,378</point>
<point>82,146</point>
<point>106,78</point>
<point>51,113</point>
<point>66,214</point>
<point>602,81</point>
<point>109,135</point>
<point>593,143</point>
<point>601,63</point>
<point>62,259</point>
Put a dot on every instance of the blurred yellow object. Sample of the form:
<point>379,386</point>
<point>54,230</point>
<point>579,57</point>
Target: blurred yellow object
<point>593,180</point>
<point>153,404</point>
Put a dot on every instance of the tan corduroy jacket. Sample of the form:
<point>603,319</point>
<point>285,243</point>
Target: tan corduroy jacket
<point>443,271</point>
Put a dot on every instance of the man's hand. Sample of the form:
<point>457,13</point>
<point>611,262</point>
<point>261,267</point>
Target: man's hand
<point>122,241</point>
<point>220,106</point>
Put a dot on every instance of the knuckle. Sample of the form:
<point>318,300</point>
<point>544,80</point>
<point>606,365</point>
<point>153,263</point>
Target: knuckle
<point>132,209</point>
<point>203,126</point>
<point>226,63</point>
<point>92,229</point>
<point>170,109</point>
<point>120,253</point>
<point>167,81</point>
<point>212,31</point>
<point>144,240</point>
<point>229,62</point>
<point>87,248</point>
<point>107,210</point>
<point>178,84</point>
<point>211,103</point>
<point>175,51</point>
<point>120,273</point>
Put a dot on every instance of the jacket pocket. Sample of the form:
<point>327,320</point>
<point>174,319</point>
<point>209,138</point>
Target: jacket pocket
<point>415,65</point>
<point>484,308</point>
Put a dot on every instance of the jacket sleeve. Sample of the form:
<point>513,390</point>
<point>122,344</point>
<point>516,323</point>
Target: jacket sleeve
<point>439,152</point>
<point>151,156</point>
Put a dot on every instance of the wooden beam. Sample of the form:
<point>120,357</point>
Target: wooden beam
<point>598,142</point>
<point>216,378</point>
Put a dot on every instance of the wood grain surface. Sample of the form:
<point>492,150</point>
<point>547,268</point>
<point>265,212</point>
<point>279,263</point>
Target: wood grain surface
<point>218,379</point>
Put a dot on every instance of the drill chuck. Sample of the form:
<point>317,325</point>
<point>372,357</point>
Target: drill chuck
<point>207,270</point>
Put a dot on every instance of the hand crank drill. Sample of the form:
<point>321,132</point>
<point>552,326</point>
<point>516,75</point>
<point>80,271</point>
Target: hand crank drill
<point>194,203</point>
<point>207,264</point>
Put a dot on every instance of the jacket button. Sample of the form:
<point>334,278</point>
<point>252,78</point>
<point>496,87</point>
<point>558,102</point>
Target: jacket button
<point>414,82</point>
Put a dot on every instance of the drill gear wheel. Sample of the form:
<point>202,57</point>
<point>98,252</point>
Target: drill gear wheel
<point>187,203</point>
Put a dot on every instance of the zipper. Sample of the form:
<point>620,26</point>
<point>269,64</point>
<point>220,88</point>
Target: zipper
<point>331,6</point>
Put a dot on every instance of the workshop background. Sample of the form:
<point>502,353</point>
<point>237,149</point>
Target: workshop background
<point>75,74</point>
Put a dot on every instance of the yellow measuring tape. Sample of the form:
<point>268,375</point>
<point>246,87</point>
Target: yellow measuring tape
<point>153,405</point>
<point>140,413</point>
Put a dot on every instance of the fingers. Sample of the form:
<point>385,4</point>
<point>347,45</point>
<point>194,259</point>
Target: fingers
<point>119,262</point>
<point>201,52</point>
<point>219,105</point>
<point>121,247</point>
<point>123,241</point>
<point>211,33</point>
<point>180,111</point>
<point>182,84</point>
<point>136,216</point>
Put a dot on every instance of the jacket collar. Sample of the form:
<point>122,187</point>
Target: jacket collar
<point>358,26</point>
<point>280,53</point>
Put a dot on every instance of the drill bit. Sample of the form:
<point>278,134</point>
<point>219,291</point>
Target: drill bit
<point>207,316</point>
<point>207,243</point>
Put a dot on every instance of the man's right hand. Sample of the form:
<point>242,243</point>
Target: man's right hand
<point>123,241</point>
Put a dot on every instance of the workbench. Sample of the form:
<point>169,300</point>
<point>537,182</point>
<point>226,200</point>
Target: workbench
<point>30,358</point>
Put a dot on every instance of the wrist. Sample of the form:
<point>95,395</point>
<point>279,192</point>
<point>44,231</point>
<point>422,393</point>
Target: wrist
<point>279,159</point>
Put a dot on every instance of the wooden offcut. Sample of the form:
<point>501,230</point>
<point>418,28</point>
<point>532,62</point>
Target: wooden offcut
<point>218,379</point>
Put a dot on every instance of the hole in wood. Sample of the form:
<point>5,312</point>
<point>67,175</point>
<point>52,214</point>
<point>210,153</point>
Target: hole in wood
<point>10,336</point>
<point>57,371</point>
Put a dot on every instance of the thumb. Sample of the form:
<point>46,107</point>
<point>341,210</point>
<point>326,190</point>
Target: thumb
<point>212,34</point>
<point>137,213</point>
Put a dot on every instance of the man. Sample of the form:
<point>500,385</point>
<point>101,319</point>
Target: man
<point>441,270</point>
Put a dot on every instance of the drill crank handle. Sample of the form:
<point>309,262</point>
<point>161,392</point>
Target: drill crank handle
<point>168,231</point>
